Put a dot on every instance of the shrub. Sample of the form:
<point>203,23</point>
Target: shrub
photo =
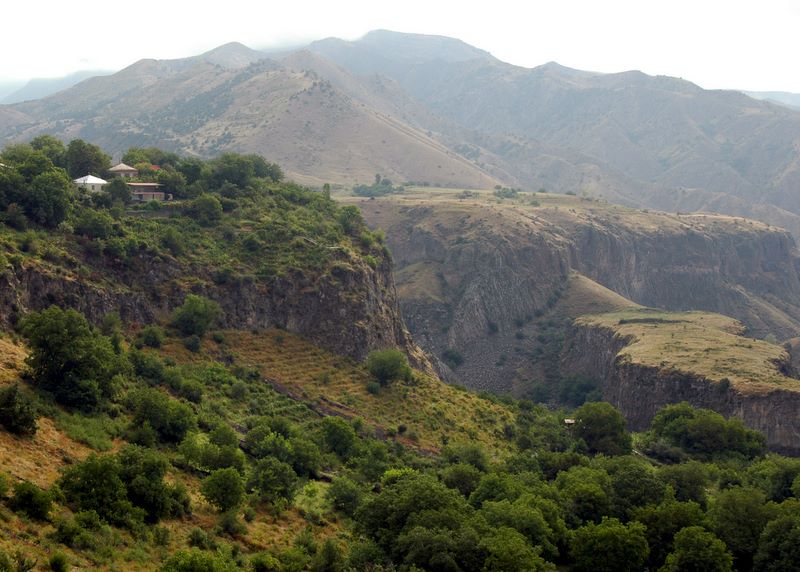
<point>192,343</point>
<point>273,480</point>
<point>169,418</point>
<point>452,358</point>
<point>373,387</point>
<point>388,365</point>
<point>31,500</point>
<point>152,336</point>
<point>345,495</point>
<point>17,411</point>
<point>58,562</point>
<point>70,359</point>
<point>223,488</point>
<point>196,315</point>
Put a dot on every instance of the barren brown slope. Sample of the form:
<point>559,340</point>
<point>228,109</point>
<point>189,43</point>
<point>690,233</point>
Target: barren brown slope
<point>315,130</point>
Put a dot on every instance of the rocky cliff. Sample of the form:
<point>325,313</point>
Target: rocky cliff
<point>484,276</point>
<point>639,389</point>
<point>351,310</point>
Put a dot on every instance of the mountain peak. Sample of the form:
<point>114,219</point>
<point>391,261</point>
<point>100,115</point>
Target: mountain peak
<point>232,55</point>
<point>422,46</point>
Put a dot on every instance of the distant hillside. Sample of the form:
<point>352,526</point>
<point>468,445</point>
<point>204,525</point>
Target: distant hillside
<point>780,97</point>
<point>38,88</point>
<point>434,109</point>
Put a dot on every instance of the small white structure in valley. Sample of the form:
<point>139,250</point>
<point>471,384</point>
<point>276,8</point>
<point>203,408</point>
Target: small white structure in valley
<point>90,183</point>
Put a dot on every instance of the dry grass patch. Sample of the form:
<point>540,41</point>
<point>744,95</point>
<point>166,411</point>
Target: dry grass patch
<point>710,345</point>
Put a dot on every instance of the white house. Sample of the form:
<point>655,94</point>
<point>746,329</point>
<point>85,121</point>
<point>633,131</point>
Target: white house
<point>90,183</point>
<point>123,170</point>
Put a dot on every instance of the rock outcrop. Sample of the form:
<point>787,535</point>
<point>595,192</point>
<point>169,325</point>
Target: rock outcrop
<point>639,390</point>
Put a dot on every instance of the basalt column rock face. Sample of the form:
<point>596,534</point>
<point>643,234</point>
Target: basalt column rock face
<point>639,391</point>
<point>350,310</point>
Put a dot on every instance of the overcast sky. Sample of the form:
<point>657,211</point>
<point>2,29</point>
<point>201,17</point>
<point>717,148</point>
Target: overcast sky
<point>717,44</point>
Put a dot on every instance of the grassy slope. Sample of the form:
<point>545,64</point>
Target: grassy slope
<point>430,409</point>
<point>706,344</point>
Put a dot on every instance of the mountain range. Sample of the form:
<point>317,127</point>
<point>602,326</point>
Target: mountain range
<point>437,110</point>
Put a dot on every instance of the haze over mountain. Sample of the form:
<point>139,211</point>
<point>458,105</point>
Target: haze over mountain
<point>431,108</point>
<point>38,88</point>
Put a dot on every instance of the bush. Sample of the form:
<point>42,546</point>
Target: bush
<point>224,489</point>
<point>345,495</point>
<point>388,365</point>
<point>273,480</point>
<point>152,336</point>
<point>31,500</point>
<point>69,358</point>
<point>196,315</point>
<point>17,411</point>
<point>59,562</point>
<point>193,343</point>
<point>197,561</point>
<point>169,418</point>
<point>602,427</point>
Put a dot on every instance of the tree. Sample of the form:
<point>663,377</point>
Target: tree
<point>663,522</point>
<point>83,158</point>
<point>339,436</point>
<point>196,315</point>
<point>31,500</point>
<point>779,545</point>
<point>634,483</point>
<point>609,547</point>
<point>195,560</point>
<point>95,484</point>
<point>69,358</point>
<point>47,198</point>
<point>94,224</point>
<point>17,411</point>
<point>345,495</point>
<point>462,477</point>
<point>206,209</point>
<point>508,551</point>
<point>273,480</point>
<point>388,365</point>
<point>119,191</point>
<point>223,488</point>
<point>697,550</point>
<point>53,148</point>
<point>602,427</point>
<point>738,516</point>
<point>688,480</point>
<point>169,418</point>
<point>142,471</point>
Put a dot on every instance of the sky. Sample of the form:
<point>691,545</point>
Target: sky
<point>716,44</point>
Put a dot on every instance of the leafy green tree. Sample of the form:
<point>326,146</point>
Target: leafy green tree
<point>273,480</point>
<point>206,210</point>
<point>142,471</point>
<point>689,481</point>
<point>119,191</point>
<point>738,516</point>
<point>53,148</point>
<point>339,436</point>
<point>224,488</point>
<point>602,427</point>
<point>196,315</point>
<point>779,545</point>
<point>469,453</point>
<point>31,500</point>
<point>169,418</point>
<point>345,495</point>
<point>195,560</point>
<point>47,198</point>
<point>697,550</point>
<point>83,158</point>
<point>634,483</point>
<point>328,558</point>
<point>69,358</point>
<point>94,224</point>
<point>524,517</point>
<point>663,522</point>
<point>17,411</point>
<point>462,477</point>
<point>95,484</point>
<point>774,475</point>
<point>609,547</point>
<point>586,493</point>
<point>388,365</point>
<point>507,551</point>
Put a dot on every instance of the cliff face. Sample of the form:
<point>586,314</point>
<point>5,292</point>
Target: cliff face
<point>351,310</point>
<point>483,276</point>
<point>639,391</point>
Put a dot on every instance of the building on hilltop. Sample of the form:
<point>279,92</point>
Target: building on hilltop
<point>123,170</point>
<point>141,192</point>
<point>90,183</point>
